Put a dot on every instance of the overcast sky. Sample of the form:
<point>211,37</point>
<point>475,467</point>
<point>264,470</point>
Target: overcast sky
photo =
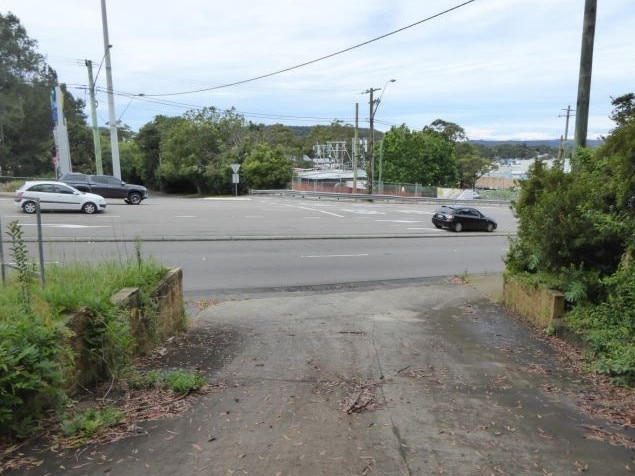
<point>501,69</point>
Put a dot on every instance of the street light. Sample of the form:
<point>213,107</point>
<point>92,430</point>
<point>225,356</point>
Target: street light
<point>374,104</point>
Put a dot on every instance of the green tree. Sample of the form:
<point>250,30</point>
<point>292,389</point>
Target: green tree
<point>148,141</point>
<point>190,151</point>
<point>471,165</point>
<point>426,157</point>
<point>577,227</point>
<point>26,124</point>
<point>266,168</point>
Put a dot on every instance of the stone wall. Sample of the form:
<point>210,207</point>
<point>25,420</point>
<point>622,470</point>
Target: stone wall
<point>162,317</point>
<point>542,306</point>
<point>151,323</point>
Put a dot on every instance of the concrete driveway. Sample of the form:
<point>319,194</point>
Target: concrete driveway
<point>420,379</point>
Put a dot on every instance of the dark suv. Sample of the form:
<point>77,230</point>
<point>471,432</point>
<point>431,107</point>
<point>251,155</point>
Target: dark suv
<point>107,186</point>
<point>462,218</point>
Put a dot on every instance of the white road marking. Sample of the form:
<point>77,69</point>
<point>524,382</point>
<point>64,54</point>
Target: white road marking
<point>334,256</point>
<point>62,225</point>
<point>226,198</point>
<point>364,212</point>
<point>316,210</point>
<point>400,221</point>
<point>185,216</point>
<point>418,212</point>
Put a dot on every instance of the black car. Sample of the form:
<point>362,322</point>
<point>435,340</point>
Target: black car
<point>107,186</point>
<point>462,218</point>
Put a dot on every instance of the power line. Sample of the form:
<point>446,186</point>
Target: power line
<point>321,58</point>
<point>165,102</point>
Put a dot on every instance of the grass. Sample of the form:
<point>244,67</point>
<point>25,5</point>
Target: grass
<point>78,285</point>
<point>36,359</point>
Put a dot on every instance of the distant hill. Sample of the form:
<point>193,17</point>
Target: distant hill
<point>304,131</point>
<point>555,143</point>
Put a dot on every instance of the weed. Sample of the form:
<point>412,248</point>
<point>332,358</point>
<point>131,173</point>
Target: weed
<point>183,382</point>
<point>86,423</point>
<point>25,269</point>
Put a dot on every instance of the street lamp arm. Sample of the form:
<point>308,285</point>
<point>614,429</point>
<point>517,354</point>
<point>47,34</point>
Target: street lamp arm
<point>383,90</point>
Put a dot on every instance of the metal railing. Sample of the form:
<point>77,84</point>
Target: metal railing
<point>374,197</point>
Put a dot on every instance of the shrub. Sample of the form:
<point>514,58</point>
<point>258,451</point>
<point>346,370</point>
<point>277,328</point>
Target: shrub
<point>85,424</point>
<point>608,328</point>
<point>35,354</point>
<point>576,234</point>
<point>33,359</point>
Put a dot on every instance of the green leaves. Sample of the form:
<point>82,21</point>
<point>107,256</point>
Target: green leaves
<point>267,168</point>
<point>426,157</point>
<point>576,232</point>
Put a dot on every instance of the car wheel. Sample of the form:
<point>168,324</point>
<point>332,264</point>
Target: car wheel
<point>29,207</point>
<point>438,226</point>
<point>458,226</point>
<point>134,198</point>
<point>490,227</point>
<point>89,208</point>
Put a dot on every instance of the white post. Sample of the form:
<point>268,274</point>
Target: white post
<point>112,118</point>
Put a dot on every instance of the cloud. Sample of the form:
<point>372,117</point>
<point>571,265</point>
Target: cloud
<point>500,67</point>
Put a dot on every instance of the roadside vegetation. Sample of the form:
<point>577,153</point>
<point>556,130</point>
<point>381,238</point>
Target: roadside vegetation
<point>575,234</point>
<point>37,356</point>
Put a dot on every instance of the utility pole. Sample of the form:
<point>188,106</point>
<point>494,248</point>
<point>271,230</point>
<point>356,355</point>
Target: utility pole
<point>371,152</point>
<point>374,104</point>
<point>355,147</point>
<point>112,117</point>
<point>99,170</point>
<point>563,142</point>
<point>584,81</point>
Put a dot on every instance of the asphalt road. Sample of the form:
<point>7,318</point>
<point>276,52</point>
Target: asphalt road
<point>259,242</point>
<point>411,380</point>
<point>371,366</point>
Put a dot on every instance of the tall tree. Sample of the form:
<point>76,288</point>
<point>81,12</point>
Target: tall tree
<point>426,157</point>
<point>25,117</point>
<point>267,168</point>
<point>26,123</point>
<point>148,140</point>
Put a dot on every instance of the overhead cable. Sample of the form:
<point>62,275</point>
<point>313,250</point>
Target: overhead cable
<point>222,86</point>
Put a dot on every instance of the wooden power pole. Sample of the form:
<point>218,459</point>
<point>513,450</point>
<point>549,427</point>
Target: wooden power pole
<point>584,81</point>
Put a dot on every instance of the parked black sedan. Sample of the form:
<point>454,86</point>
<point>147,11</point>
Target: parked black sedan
<point>462,218</point>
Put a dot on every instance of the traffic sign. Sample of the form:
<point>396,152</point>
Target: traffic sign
<point>235,168</point>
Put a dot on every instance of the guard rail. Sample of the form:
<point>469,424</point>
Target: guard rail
<point>364,197</point>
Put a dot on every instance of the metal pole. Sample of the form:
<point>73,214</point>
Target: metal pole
<point>4,276</point>
<point>355,148</point>
<point>40,241</point>
<point>93,116</point>
<point>381,164</point>
<point>112,118</point>
<point>372,143</point>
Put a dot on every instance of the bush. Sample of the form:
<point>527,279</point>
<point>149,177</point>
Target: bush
<point>576,234</point>
<point>608,328</point>
<point>33,360</point>
<point>35,355</point>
